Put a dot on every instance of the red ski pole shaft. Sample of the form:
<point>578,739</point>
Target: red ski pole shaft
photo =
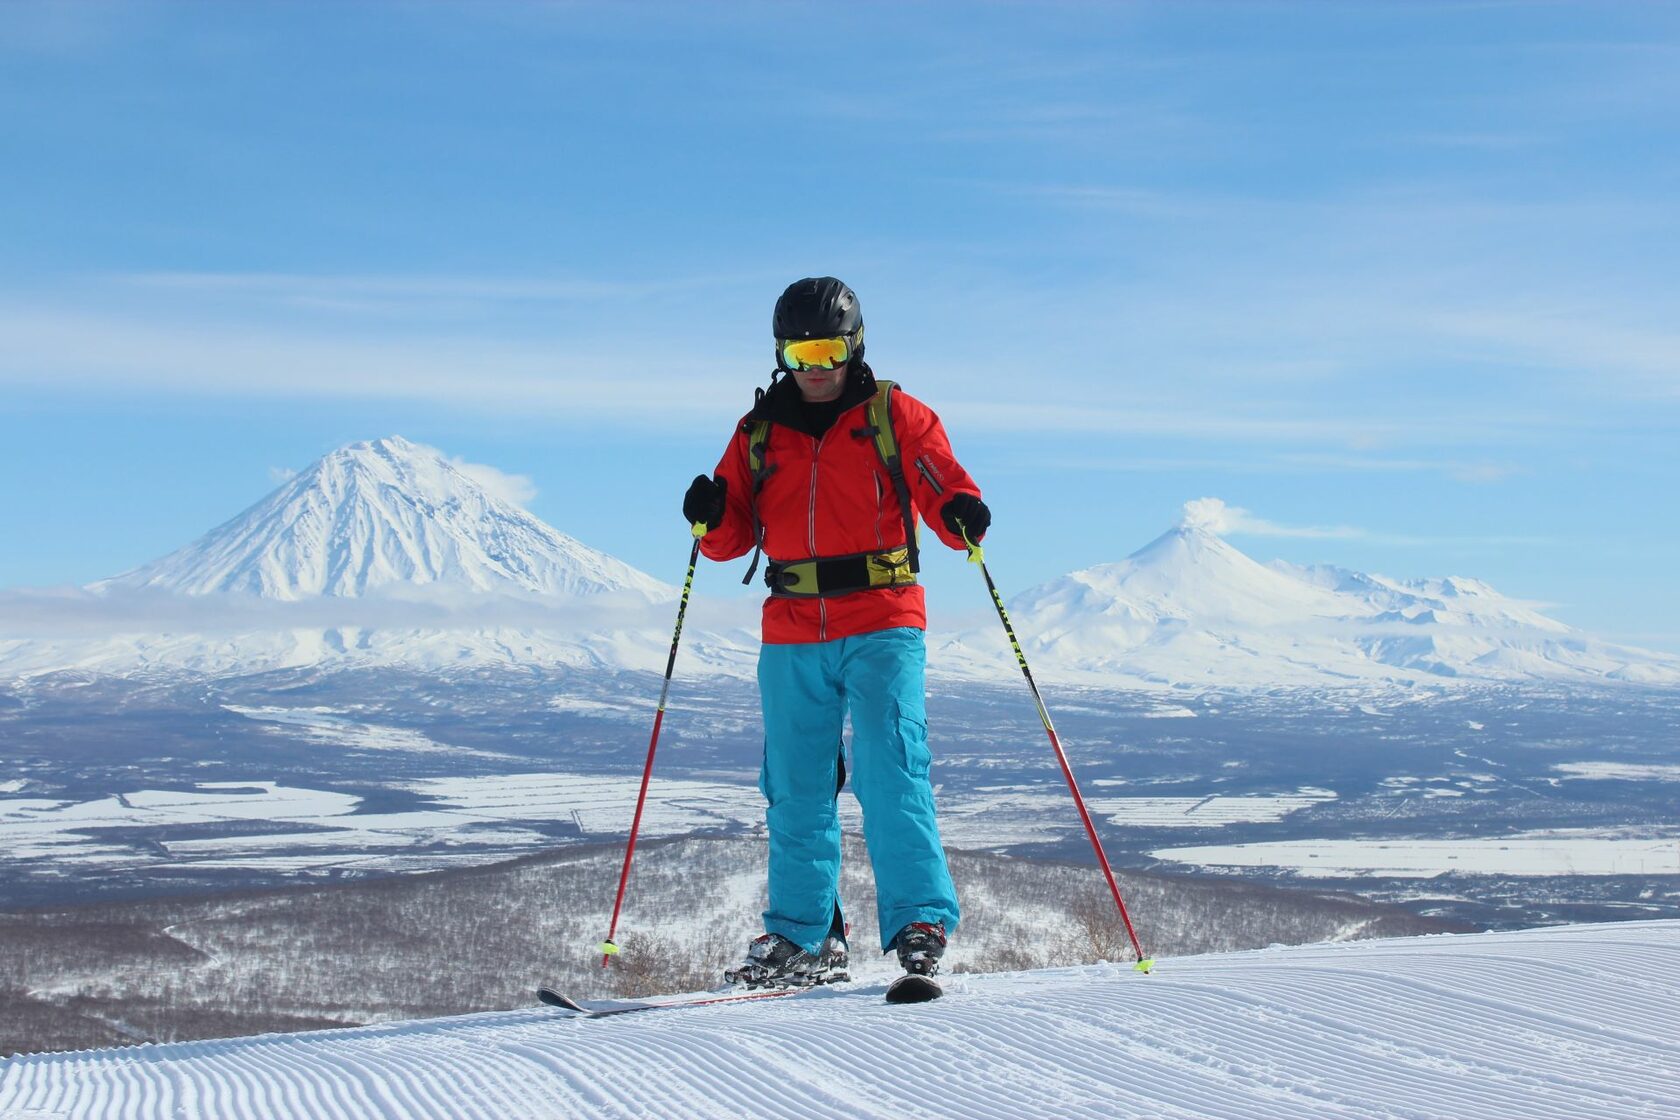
<point>610,947</point>
<point>976,555</point>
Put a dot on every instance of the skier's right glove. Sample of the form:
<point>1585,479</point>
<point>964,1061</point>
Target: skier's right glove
<point>966,512</point>
<point>703,504</point>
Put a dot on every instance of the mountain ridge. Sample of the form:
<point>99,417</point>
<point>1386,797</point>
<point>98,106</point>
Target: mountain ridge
<point>386,552</point>
<point>1191,608</point>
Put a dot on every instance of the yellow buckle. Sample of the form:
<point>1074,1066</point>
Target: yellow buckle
<point>890,569</point>
<point>798,578</point>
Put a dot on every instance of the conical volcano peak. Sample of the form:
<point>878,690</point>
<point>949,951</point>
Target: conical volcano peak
<point>1187,539</point>
<point>1195,541</point>
<point>383,445</point>
<point>387,513</point>
<point>416,468</point>
<point>396,444</point>
<point>389,449</point>
<point>1198,536</point>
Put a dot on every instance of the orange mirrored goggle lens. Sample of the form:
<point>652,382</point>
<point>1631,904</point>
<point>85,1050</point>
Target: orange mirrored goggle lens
<point>815,353</point>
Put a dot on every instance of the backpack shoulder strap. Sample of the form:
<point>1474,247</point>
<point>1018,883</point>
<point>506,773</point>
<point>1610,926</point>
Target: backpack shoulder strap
<point>758,446</point>
<point>760,467</point>
<point>886,445</point>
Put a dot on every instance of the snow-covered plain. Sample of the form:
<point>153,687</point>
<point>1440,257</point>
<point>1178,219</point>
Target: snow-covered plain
<point>301,829</point>
<point>330,728</point>
<point>1618,772</point>
<point>1204,812</point>
<point>1562,852</point>
<point>1570,1022</point>
<point>265,826</point>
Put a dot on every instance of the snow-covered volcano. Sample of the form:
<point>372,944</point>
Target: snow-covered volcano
<point>382,553</point>
<point>389,553</point>
<point>1189,608</point>
<point>382,514</point>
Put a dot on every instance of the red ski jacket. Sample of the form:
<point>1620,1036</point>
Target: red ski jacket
<point>832,496</point>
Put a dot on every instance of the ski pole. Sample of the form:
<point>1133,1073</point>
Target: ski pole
<point>609,948</point>
<point>977,555</point>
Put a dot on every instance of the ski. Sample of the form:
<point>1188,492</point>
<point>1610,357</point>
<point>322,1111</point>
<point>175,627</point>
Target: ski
<point>914,987</point>
<point>602,1008</point>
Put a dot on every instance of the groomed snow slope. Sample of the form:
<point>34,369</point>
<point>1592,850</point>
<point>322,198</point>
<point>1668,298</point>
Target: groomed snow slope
<point>1572,1022</point>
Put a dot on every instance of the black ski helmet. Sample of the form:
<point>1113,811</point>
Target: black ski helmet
<point>818,307</point>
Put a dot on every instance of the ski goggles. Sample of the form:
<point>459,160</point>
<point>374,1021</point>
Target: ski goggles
<point>814,353</point>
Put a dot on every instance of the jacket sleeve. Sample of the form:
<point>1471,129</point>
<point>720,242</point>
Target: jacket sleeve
<point>734,535</point>
<point>930,469</point>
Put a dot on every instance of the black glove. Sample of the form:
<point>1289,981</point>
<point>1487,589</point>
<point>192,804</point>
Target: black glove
<point>972,514</point>
<point>704,502</point>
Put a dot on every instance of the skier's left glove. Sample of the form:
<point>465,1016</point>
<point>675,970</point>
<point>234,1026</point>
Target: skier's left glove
<point>966,511</point>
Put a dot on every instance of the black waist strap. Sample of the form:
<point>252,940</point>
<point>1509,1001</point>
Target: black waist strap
<point>825,576</point>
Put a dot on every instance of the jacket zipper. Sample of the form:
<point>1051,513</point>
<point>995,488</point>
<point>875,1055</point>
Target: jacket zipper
<point>811,521</point>
<point>921,465</point>
<point>880,542</point>
<point>811,533</point>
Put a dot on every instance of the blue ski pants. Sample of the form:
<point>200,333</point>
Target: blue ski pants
<point>807,690</point>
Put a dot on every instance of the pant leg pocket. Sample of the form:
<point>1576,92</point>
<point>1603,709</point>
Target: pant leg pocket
<point>911,731</point>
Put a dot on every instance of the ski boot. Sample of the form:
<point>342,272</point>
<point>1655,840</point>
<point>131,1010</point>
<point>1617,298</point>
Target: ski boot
<point>775,962</point>
<point>920,945</point>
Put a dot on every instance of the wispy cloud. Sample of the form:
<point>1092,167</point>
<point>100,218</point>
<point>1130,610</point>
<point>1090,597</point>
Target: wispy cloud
<point>1477,472</point>
<point>1576,340</point>
<point>70,613</point>
<point>1461,470</point>
<point>388,294</point>
<point>295,283</point>
<point>49,348</point>
<point>516,489</point>
<point>1137,201</point>
<point>1307,403</point>
<point>1449,277</point>
<point>1475,141</point>
<point>46,348</point>
<point>1331,323</point>
<point>1215,516</point>
<point>1206,422</point>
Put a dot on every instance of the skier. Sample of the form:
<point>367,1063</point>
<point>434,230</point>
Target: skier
<point>825,476</point>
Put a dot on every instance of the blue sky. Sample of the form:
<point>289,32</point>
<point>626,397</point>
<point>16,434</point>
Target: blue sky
<point>1399,280</point>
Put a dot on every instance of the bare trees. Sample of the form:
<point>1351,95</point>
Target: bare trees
<point>481,939</point>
